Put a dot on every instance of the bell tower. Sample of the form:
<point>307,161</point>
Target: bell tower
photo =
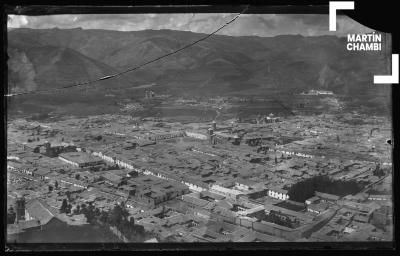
<point>20,208</point>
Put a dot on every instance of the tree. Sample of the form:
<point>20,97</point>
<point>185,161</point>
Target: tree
<point>125,213</point>
<point>68,194</point>
<point>77,209</point>
<point>378,171</point>
<point>103,216</point>
<point>77,176</point>
<point>69,207</point>
<point>11,215</point>
<point>91,206</point>
<point>139,229</point>
<point>89,213</point>
<point>50,188</point>
<point>64,206</point>
<point>116,216</point>
<point>56,184</point>
<point>83,209</point>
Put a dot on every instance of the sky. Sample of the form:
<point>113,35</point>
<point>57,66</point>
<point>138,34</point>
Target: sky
<point>264,25</point>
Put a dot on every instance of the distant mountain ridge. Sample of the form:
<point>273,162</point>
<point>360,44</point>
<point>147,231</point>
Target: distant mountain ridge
<point>50,58</point>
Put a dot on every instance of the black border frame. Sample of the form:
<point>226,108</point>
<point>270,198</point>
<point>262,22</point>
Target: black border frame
<point>363,12</point>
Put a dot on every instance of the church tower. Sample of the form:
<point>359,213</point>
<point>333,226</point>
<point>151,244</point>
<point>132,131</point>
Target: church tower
<point>20,208</point>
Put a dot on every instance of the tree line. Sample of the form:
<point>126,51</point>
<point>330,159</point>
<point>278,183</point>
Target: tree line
<point>117,217</point>
<point>305,189</point>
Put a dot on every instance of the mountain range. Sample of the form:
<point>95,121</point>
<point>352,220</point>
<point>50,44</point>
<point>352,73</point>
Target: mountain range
<point>41,59</point>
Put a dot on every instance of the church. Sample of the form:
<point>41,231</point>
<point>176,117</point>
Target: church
<point>33,215</point>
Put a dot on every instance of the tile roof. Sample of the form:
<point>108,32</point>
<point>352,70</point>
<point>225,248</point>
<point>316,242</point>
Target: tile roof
<point>326,196</point>
<point>224,204</point>
<point>194,200</point>
<point>318,207</point>
<point>299,215</point>
<point>80,157</point>
<point>112,177</point>
<point>312,199</point>
<point>246,182</point>
<point>40,210</point>
<point>41,171</point>
<point>212,195</point>
<point>278,189</point>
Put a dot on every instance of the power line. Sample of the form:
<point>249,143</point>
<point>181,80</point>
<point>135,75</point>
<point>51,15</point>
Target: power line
<point>134,68</point>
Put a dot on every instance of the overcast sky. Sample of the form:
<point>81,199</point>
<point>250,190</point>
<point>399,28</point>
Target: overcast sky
<point>246,24</point>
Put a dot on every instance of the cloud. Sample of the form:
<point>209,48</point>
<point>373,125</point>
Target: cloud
<point>14,21</point>
<point>247,24</point>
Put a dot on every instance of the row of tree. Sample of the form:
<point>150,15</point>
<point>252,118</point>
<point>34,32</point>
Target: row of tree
<point>117,217</point>
<point>287,222</point>
<point>305,189</point>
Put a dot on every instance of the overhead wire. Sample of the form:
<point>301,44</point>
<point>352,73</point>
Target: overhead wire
<point>133,68</point>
